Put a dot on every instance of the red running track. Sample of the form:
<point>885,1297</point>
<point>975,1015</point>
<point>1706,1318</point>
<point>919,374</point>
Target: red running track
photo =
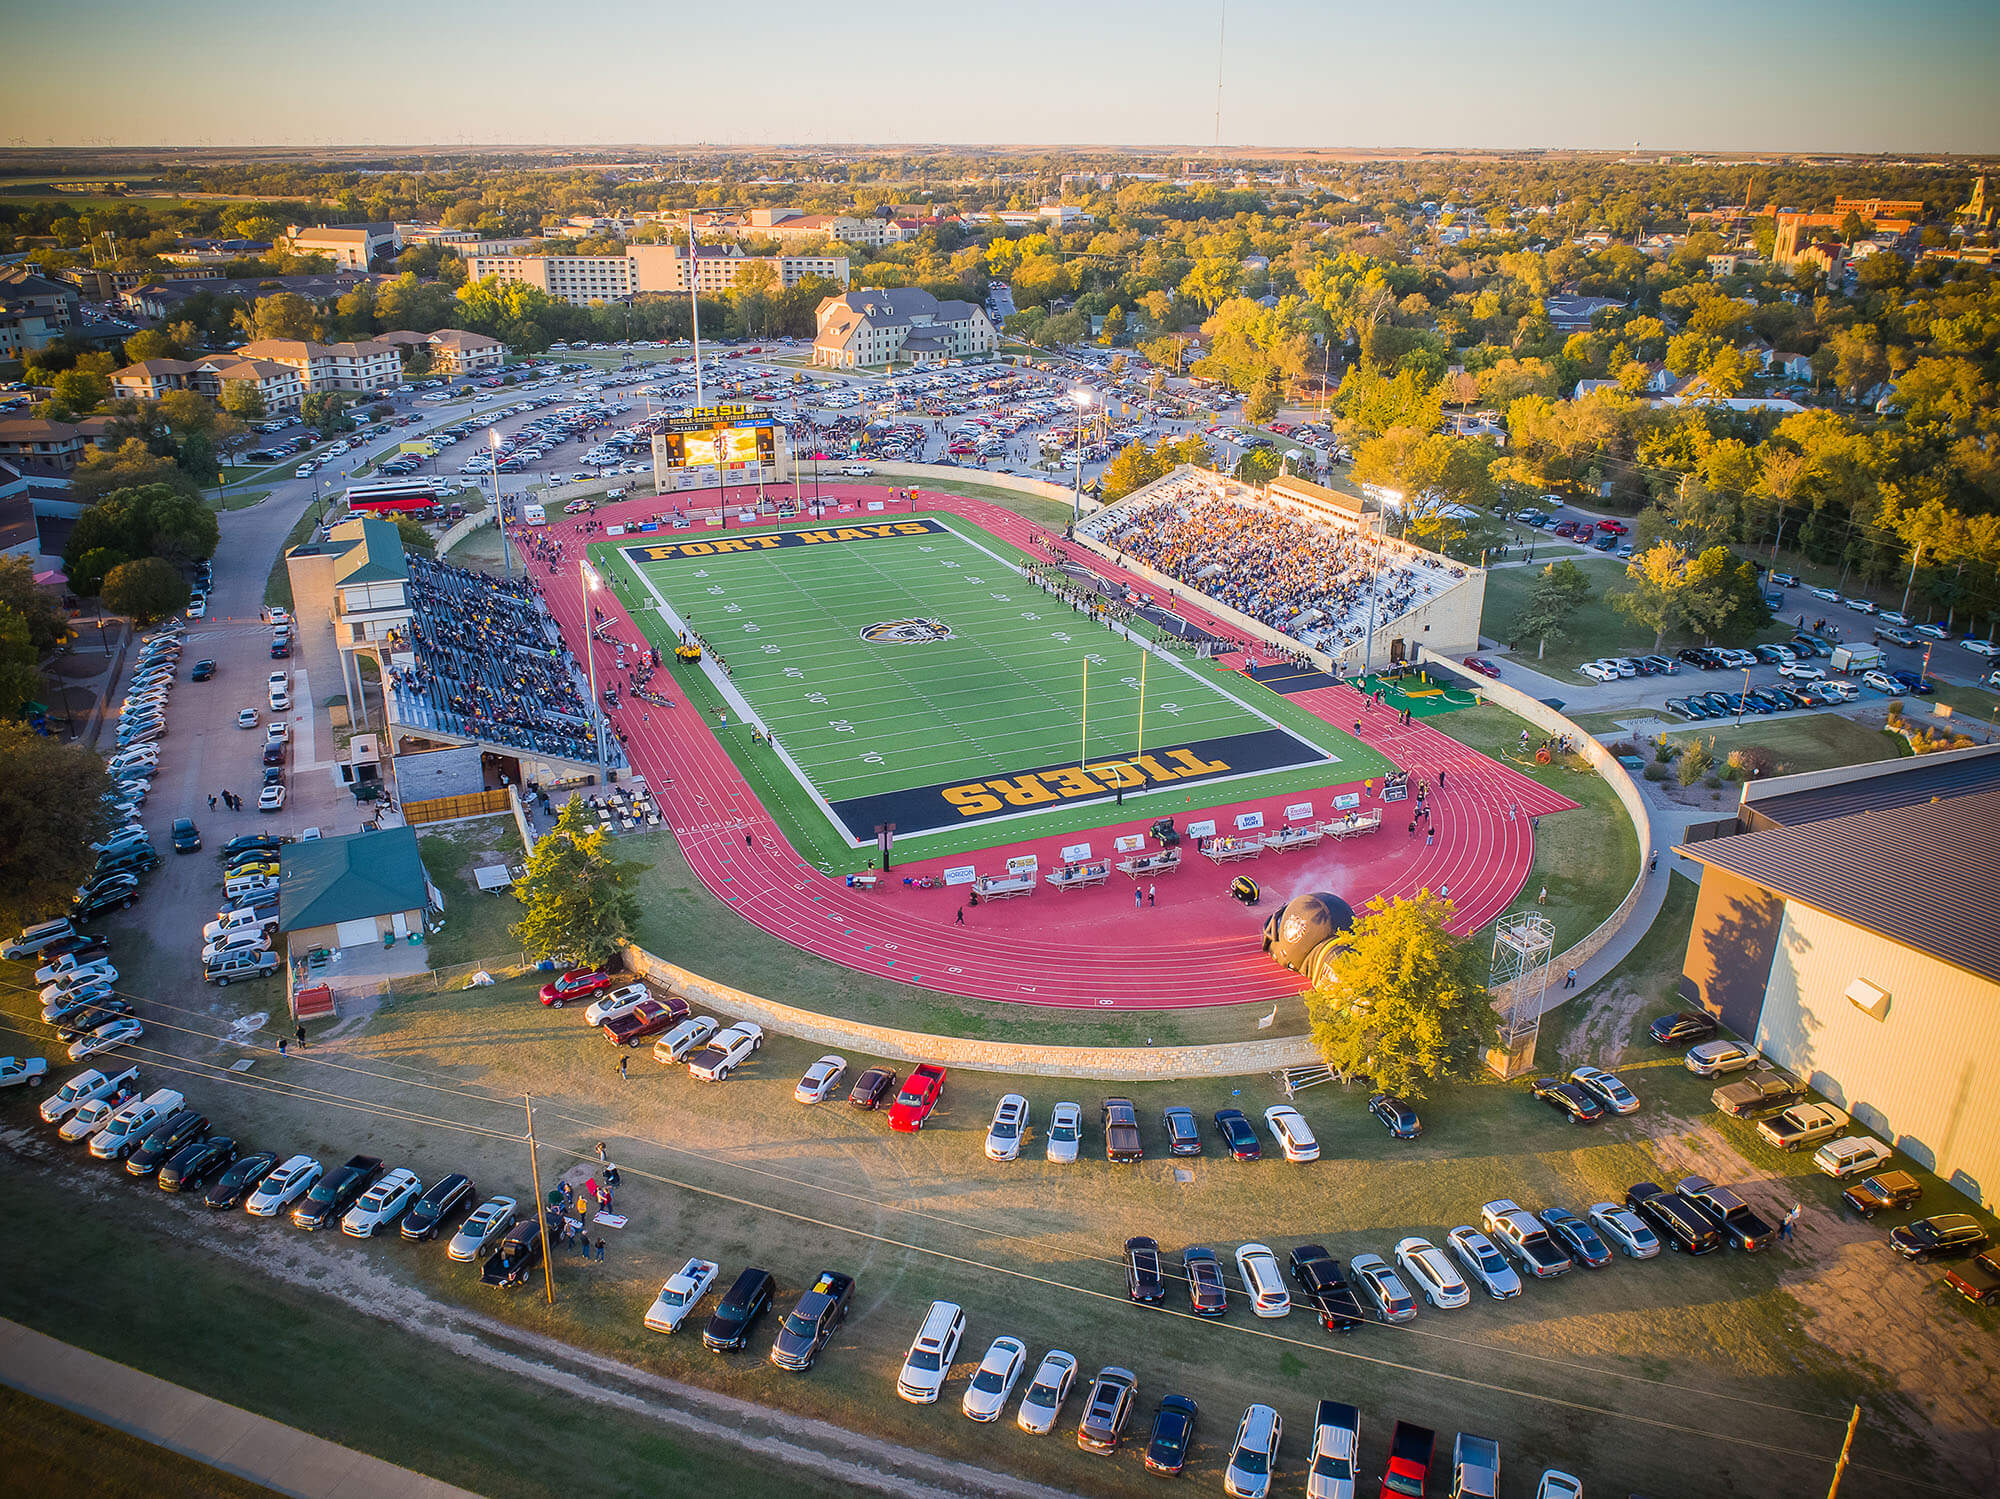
<point>1086,949</point>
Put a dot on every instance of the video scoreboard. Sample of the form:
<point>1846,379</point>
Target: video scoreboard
<point>729,435</point>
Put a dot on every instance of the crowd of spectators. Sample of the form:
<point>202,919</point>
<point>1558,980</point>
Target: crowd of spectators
<point>1308,580</point>
<point>490,666</point>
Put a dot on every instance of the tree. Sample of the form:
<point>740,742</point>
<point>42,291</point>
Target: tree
<point>49,813</point>
<point>243,400</point>
<point>581,904</point>
<point>145,591</point>
<point>1403,1002</point>
<point>152,521</point>
<point>79,391</point>
<point>416,535</point>
<point>1654,590</point>
<point>41,608</point>
<point>1262,402</point>
<point>1559,591</point>
<point>325,411</point>
<point>281,314</point>
<point>132,465</point>
<point>20,682</point>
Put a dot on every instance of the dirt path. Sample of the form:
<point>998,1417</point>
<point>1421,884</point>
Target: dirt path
<point>832,1452</point>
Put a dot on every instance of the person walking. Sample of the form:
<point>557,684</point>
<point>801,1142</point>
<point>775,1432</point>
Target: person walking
<point>624,1069</point>
<point>1653,861</point>
<point>300,1036</point>
<point>746,841</point>
<point>961,916</point>
<point>600,1251</point>
<point>1569,981</point>
<point>1440,780</point>
<point>1152,895</point>
<point>1785,1227</point>
<point>1138,897</point>
<point>1430,837</point>
<point>281,1046</point>
<point>600,1151</point>
<point>211,801</point>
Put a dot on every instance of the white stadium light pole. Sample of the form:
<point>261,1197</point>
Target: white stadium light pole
<point>1082,399</point>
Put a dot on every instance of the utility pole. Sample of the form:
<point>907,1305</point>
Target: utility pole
<point>1846,1447</point>
<point>1913,577</point>
<point>541,1213</point>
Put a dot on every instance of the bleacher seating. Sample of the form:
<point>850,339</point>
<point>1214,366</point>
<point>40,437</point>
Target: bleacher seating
<point>490,666</point>
<point>1308,579</point>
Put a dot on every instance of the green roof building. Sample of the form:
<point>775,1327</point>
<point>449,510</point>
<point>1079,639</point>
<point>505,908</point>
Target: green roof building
<point>352,890</point>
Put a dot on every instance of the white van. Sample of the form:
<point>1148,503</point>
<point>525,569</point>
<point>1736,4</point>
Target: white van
<point>535,515</point>
<point>129,1125</point>
<point>34,938</point>
<point>928,1362</point>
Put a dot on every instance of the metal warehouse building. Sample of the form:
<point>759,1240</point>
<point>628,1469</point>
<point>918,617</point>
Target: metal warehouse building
<point>1854,937</point>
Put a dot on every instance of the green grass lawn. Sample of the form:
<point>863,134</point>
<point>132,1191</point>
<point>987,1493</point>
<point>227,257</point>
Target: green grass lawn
<point>1587,859</point>
<point>1969,706</point>
<point>475,923</point>
<point>243,499</point>
<point>54,1453</point>
<point>1816,741</point>
<point>1597,629</point>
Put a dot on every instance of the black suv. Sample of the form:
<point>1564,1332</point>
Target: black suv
<point>1682,1028</point>
<point>744,1302</point>
<point>182,1128</point>
<point>1948,1236</point>
<point>1173,1434</point>
<point>436,1207</point>
<point>1325,1289</point>
<point>1397,1116</point>
<point>805,1331</point>
<point>1677,1224</point>
<point>194,1164</point>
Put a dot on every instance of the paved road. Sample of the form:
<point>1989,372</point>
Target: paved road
<point>281,1458</point>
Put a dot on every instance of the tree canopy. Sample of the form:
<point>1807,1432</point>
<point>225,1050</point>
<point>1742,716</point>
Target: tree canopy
<point>49,813</point>
<point>579,898</point>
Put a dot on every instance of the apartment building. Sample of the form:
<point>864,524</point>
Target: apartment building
<point>52,446</point>
<point>452,350</point>
<point>34,310</point>
<point>905,324</point>
<point>583,279</point>
<point>364,366</point>
<point>1051,215</point>
<point>281,386</point>
<point>351,247</point>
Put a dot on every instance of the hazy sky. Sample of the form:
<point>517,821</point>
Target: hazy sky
<point>1832,75</point>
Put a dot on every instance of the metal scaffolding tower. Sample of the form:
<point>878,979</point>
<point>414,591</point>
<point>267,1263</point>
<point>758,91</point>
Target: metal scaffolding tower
<point>1523,944</point>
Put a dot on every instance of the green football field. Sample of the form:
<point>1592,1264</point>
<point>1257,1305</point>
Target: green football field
<point>908,672</point>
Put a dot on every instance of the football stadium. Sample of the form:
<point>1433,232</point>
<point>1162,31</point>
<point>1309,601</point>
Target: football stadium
<point>916,672</point>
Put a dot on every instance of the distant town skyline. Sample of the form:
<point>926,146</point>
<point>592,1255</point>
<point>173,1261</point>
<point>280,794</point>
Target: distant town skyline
<point>1789,76</point>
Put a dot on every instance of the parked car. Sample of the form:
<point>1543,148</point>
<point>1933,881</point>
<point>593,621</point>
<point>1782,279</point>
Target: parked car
<point>1208,1295</point>
<point>1712,1058</point>
<point>482,1226</point>
<point>736,1315</point>
<point>1144,1281</point>
<point>1107,1410</point>
<point>1682,1027</point>
<point>1678,1226</point>
<point>992,1383</point>
<point>576,984</point>
<point>1065,1133</point>
<point>1569,1099</point>
<point>1183,1134</point>
<point>922,1090</point>
<point>1885,1191</point>
<point>1397,1116</point>
<point>1757,1093</point>
<point>1978,1279</point>
<point>1624,1230</point>
<point>874,1085</point>
<point>1576,1238</point>
<point>1238,1138</point>
<point>385,1201</point>
<point>447,1198</point>
<point>245,1174</point>
<point>679,1296</point>
<point>337,1191</point>
<point>1425,1268</point>
<point>1254,1454</point>
<point>1948,1236</point>
<point>1336,1451</point>
<point>647,1018</point>
<point>1380,1284</point>
<point>287,1183</point>
<point>726,1051</point>
<point>186,836</point>
<point>1484,1262</point>
<point>1042,1405</point>
<point>1522,1235</point>
<point>1294,1136</point>
<point>820,1079</point>
<point>810,1323</point>
<point>1801,1125</point>
<point>614,1002</point>
<point>1009,1126</point>
<point>1258,1267</point>
<point>1607,1087</point>
<point>1173,1434</point>
<point>119,1032</point>
<point>194,1163</point>
<point>684,1036</point>
<point>515,1260</point>
<point>1324,1288</point>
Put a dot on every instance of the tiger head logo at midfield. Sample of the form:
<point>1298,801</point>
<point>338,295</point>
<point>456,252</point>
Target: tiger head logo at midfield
<point>907,632</point>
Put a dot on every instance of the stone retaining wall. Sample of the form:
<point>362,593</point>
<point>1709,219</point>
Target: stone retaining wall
<point>465,528</point>
<point>1113,1063</point>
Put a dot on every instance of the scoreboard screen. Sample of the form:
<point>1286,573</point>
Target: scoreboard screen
<point>728,435</point>
<point>724,445</point>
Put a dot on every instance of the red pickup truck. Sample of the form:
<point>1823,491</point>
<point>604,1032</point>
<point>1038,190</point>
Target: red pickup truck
<point>921,1091</point>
